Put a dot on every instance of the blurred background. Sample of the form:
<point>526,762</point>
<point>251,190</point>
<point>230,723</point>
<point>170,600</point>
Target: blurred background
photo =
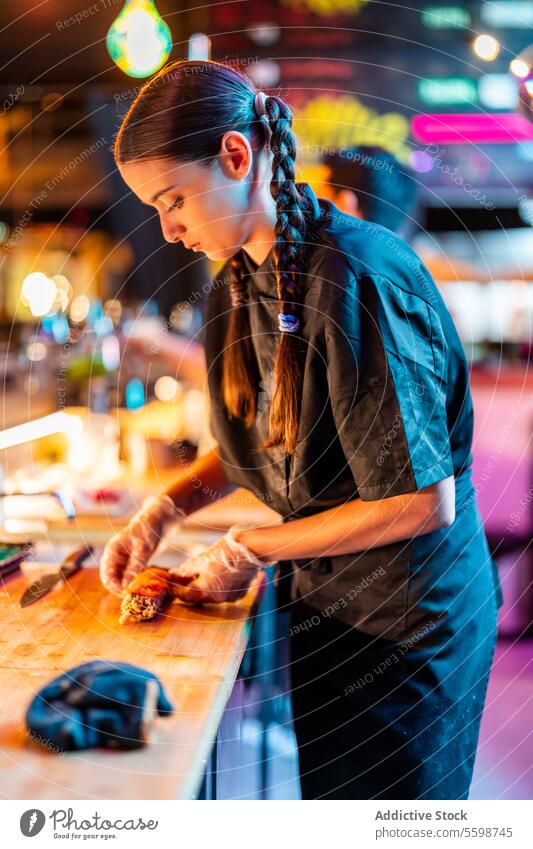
<point>101,320</point>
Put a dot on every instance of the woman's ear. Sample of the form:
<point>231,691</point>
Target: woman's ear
<point>235,155</point>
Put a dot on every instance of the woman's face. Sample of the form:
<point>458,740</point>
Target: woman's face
<point>208,208</point>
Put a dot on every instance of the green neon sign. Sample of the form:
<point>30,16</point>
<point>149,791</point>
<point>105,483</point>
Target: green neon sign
<point>447,91</point>
<point>446,17</point>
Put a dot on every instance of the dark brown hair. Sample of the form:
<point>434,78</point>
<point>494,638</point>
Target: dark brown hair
<point>182,114</point>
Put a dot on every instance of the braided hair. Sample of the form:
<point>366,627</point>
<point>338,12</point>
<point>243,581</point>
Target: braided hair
<point>182,114</point>
<point>240,382</point>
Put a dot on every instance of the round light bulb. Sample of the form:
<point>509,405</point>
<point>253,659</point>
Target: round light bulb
<point>519,68</point>
<point>139,41</point>
<point>486,47</point>
<point>39,292</point>
<point>166,388</point>
<point>79,309</point>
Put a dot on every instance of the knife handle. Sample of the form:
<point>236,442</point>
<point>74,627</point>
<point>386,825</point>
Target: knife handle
<point>14,566</point>
<point>74,561</point>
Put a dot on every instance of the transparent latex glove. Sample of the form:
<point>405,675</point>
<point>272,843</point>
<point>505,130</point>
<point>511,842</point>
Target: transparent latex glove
<point>128,552</point>
<point>223,572</point>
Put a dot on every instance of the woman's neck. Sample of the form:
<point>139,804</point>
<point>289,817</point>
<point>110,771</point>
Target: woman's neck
<point>260,244</point>
<point>263,235</point>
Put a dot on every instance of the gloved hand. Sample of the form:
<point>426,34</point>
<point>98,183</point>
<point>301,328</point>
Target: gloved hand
<point>128,552</point>
<point>224,571</point>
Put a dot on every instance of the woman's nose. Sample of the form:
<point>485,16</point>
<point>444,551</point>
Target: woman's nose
<point>172,231</point>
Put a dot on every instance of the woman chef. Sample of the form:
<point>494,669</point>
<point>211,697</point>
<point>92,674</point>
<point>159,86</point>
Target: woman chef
<point>339,392</point>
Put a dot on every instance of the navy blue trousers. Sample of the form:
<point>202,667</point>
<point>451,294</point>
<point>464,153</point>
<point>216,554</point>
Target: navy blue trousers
<point>377,719</point>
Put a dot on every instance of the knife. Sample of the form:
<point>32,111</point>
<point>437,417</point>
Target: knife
<point>71,564</point>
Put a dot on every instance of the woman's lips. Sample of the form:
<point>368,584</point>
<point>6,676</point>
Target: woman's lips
<point>196,246</point>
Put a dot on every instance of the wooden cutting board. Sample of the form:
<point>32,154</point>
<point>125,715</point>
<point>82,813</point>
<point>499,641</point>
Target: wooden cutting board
<point>196,652</point>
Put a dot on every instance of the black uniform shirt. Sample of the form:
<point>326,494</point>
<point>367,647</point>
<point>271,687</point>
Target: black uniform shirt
<point>385,410</point>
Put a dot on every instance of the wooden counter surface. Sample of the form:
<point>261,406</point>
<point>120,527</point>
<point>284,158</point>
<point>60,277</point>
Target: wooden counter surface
<point>196,652</point>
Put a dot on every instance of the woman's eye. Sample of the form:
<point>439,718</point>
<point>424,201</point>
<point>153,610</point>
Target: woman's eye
<point>176,205</point>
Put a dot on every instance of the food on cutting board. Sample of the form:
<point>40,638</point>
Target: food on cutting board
<point>149,591</point>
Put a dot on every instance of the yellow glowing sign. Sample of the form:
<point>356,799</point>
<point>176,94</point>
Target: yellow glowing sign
<point>326,123</point>
<point>328,7</point>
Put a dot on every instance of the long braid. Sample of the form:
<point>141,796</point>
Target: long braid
<point>241,376</point>
<point>289,255</point>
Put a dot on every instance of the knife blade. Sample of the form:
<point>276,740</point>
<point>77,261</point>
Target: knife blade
<point>70,565</point>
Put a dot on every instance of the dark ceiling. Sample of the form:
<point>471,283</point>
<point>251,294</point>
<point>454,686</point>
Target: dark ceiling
<point>41,44</point>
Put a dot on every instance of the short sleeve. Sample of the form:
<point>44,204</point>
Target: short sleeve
<point>387,366</point>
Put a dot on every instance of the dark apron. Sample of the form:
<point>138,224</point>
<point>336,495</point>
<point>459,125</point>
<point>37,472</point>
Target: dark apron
<point>377,719</point>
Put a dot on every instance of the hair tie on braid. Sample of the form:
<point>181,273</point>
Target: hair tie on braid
<point>288,323</point>
<point>260,103</point>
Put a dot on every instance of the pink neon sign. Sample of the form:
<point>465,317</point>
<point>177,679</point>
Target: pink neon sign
<point>462,128</point>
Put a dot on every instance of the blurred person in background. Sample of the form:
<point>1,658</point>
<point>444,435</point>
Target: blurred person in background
<point>184,357</point>
<point>368,182</point>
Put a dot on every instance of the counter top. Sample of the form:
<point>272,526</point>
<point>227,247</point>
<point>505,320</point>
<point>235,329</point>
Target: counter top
<point>196,652</point>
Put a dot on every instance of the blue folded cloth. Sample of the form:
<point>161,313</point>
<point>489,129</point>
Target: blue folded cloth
<point>101,703</point>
